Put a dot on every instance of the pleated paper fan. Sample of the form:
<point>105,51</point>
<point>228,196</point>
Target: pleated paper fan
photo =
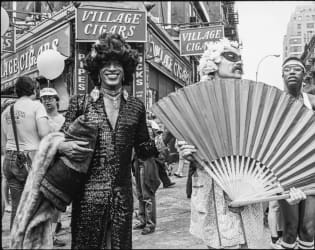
<point>253,139</point>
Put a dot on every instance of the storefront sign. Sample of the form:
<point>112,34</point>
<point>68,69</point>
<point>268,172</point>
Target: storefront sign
<point>140,74</point>
<point>91,22</point>
<point>24,60</point>
<point>192,41</point>
<point>81,75</point>
<point>8,41</point>
<point>167,61</point>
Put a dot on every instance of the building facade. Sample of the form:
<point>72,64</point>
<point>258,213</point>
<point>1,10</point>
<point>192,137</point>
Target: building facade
<point>300,30</point>
<point>308,58</point>
<point>70,29</point>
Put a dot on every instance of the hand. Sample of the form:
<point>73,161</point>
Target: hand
<point>296,195</point>
<point>236,210</point>
<point>186,150</point>
<point>75,150</point>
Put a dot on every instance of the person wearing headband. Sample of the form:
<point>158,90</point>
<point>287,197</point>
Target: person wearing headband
<point>299,219</point>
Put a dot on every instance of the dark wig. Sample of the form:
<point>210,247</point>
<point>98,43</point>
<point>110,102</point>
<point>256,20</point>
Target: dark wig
<point>111,47</point>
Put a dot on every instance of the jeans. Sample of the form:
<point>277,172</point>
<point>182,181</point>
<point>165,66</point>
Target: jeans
<point>147,202</point>
<point>299,220</point>
<point>16,178</point>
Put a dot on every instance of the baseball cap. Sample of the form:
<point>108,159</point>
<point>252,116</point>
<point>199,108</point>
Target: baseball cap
<point>48,92</point>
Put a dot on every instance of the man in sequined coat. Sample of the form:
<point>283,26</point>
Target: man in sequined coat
<point>102,210</point>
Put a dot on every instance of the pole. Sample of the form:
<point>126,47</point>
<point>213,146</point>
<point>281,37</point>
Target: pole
<point>261,60</point>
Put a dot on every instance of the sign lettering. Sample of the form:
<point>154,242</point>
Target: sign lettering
<point>81,73</point>
<point>24,61</point>
<point>193,40</point>
<point>8,40</point>
<point>91,22</point>
<point>139,77</point>
<point>167,61</point>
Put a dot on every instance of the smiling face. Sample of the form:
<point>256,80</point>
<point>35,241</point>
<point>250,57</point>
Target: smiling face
<point>231,65</point>
<point>112,75</point>
<point>293,76</point>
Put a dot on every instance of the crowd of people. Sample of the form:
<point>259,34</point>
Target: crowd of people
<point>132,155</point>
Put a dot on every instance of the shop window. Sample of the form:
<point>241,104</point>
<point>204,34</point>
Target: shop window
<point>310,25</point>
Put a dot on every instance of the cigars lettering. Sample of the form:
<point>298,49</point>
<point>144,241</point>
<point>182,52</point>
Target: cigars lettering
<point>193,41</point>
<point>90,23</point>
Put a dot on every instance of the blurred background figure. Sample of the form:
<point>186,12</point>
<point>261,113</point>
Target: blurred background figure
<point>50,98</point>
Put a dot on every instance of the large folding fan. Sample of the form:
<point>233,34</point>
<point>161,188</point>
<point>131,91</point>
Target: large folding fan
<point>254,140</point>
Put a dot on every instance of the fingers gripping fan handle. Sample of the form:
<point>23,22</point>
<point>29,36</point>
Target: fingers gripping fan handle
<point>253,139</point>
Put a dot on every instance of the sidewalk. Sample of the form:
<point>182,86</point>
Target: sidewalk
<point>172,231</point>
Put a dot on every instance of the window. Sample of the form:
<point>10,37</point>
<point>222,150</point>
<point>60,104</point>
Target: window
<point>299,26</point>
<point>295,49</point>
<point>313,17</point>
<point>295,41</point>
<point>310,25</point>
<point>299,33</point>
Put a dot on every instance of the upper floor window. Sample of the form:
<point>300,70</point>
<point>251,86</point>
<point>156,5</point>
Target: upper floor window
<point>299,33</point>
<point>313,17</point>
<point>295,41</point>
<point>310,25</point>
<point>299,26</point>
<point>295,49</point>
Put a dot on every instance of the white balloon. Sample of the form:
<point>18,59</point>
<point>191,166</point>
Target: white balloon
<point>4,21</point>
<point>50,64</point>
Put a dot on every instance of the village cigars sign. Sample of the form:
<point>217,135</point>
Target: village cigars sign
<point>193,41</point>
<point>24,61</point>
<point>91,22</point>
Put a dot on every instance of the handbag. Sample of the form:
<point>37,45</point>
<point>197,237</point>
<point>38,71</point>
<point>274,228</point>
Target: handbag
<point>22,159</point>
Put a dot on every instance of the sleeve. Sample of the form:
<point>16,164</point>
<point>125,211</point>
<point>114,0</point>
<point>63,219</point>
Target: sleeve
<point>144,145</point>
<point>75,109</point>
<point>40,111</point>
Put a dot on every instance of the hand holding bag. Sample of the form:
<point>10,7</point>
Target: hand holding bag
<point>22,158</point>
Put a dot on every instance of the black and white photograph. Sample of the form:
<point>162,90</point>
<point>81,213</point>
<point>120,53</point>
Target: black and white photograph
<point>158,124</point>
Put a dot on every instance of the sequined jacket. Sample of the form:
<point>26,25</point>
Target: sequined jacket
<point>112,157</point>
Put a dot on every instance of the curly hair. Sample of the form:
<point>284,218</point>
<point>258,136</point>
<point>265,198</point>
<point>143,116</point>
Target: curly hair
<point>111,47</point>
<point>211,57</point>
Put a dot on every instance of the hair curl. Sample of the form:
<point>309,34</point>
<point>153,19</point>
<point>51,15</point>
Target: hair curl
<point>111,47</point>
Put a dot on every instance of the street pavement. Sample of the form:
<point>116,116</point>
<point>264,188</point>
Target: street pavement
<point>172,230</point>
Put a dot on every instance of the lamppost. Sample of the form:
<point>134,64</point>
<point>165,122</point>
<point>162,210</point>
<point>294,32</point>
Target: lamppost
<point>261,62</point>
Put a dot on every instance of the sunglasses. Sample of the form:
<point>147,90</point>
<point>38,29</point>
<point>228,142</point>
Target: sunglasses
<point>47,98</point>
<point>288,69</point>
<point>231,56</point>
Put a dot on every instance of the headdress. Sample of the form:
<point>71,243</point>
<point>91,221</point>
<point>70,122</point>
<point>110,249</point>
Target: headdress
<point>212,56</point>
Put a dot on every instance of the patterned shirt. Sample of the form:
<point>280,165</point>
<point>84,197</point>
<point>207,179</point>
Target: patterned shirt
<point>112,157</point>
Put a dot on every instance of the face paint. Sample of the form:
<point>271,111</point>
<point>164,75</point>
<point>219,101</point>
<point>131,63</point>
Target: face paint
<point>231,65</point>
<point>231,56</point>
